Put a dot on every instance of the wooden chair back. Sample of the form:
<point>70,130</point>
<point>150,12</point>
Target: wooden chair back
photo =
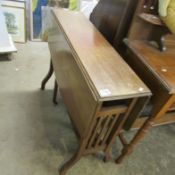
<point>113,18</point>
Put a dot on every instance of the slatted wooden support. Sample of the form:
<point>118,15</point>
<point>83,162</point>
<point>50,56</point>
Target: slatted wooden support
<point>98,88</point>
<point>102,130</point>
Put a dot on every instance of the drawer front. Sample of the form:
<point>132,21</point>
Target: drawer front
<point>77,96</point>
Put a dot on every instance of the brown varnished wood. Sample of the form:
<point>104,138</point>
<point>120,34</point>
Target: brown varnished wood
<point>164,120</point>
<point>160,63</point>
<point>159,110</point>
<point>82,104</point>
<point>111,110</point>
<point>84,64</point>
<point>100,54</point>
<point>119,125</point>
<point>169,42</point>
<point>135,114</point>
<point>155,66</point>
<point>124,24</point>
<point>147,66</point>
<point>106,17</point>
<point>112,19</point>
<point>153,19</point>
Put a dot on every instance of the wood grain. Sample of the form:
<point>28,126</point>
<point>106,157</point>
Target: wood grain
<point>161,64</point>
<point>100,63</point>
<point>77,97</point>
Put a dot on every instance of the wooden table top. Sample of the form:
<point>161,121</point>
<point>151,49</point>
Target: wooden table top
<point>161,64</point>
<point>106,72</point>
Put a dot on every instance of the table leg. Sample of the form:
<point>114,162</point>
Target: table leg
<point>63,170</point>
<point>118,130</point>
<point>160,109</point>
<point>55,93</point>
<point>107,156</point>
<point>128,149</point>
<point>47,77</point>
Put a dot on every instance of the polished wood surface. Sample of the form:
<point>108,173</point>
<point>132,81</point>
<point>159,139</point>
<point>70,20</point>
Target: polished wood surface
<point>99,89</point>
<point>112,19</point>
<point>106,17</point>
<point>82,104</point>
<point>161,64</point>
<point>98,59</point>
<point>169,42</point>
<point>125,23</point>
<point>154,63</point>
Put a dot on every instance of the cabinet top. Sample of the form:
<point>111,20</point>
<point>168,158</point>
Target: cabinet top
<point>104,70</point>
<point>161,64</point>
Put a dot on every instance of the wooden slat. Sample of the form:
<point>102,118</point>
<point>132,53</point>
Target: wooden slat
<point>166,119</point>
<point>114,119</point>
<point>112,110</point>
<point>92,150</point>
<point>102,133</point>
<point>94,133</point>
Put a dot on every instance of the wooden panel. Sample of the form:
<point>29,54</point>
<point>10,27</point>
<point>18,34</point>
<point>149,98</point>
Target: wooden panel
<point>109,76</point>
<point>106,17</point>
<point>166,119</point>
<point>77,96</point>
<point>103,128</point>
<point>161,64</point>
<point>136,112</point>
<point>125,22</point>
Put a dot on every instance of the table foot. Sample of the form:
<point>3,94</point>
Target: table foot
<point>55,93</point>
<point>63,170</point>
<point>47,77</point>
<point>107,156</point>
<point>128,149</point>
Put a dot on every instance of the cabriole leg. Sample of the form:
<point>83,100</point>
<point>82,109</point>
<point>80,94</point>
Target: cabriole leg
<point>63,170</point>
<point>47,77</point>
<point>55,93</point>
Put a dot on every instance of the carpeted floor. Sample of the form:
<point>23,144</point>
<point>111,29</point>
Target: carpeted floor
<point>36,137</point>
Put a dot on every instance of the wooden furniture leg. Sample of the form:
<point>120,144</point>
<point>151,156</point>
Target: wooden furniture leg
<point>55,93</point>
<point>70,163</point>
<point>119,127</point>
<point>97,114</point>
<point>136,106</point>
<point>47,77</point>
<point>63,170</point>
<point>128,148</point>
<point>107,156</point>
<point>163,105</point>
